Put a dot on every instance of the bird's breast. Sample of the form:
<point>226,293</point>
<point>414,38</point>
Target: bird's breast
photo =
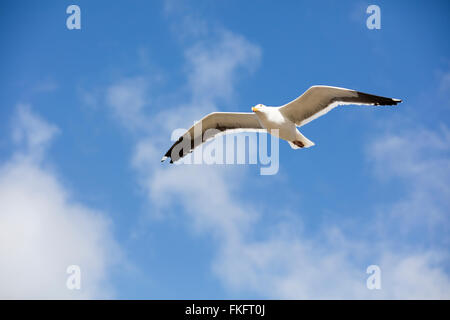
<point>274,120</point>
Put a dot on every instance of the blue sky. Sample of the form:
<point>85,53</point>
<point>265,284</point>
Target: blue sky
<point>87,114</point>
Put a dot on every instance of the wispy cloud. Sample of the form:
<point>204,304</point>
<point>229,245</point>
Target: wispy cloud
<point>45,86</point>
<point>214,66</point>
<point>127,98</point>
<point>420,159</point>
<point>31,134</point>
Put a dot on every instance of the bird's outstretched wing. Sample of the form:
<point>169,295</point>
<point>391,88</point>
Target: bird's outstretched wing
<point>318,100</point>
<point>209,127</point>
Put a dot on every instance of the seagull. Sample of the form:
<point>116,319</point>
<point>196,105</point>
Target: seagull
<point>313,103</point>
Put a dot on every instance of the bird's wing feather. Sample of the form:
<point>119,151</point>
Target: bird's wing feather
<point>209,127</point>
<point>318,100</point>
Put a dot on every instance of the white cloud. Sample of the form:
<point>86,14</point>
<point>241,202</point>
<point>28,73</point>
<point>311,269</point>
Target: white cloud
<point>416,276</point>
<point>127,99</point>
<point>214,66</point>
<point>285,263</point>
<point>43,230</point>
<point>31,134</point>
<point>185,23</point>
<point>420,159</point>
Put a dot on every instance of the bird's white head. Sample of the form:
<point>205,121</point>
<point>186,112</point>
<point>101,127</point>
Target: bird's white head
<point>259,108</point>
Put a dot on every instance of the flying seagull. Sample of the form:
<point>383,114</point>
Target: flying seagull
<point>313,103</point>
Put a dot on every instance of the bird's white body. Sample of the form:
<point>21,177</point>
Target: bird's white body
<point>278,125</point>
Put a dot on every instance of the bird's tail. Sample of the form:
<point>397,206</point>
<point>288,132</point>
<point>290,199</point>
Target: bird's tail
<point>300,142</point>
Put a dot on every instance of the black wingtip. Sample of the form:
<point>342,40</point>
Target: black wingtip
<point>165,158</point>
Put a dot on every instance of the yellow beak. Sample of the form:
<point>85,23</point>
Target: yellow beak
<point>254,109</point>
